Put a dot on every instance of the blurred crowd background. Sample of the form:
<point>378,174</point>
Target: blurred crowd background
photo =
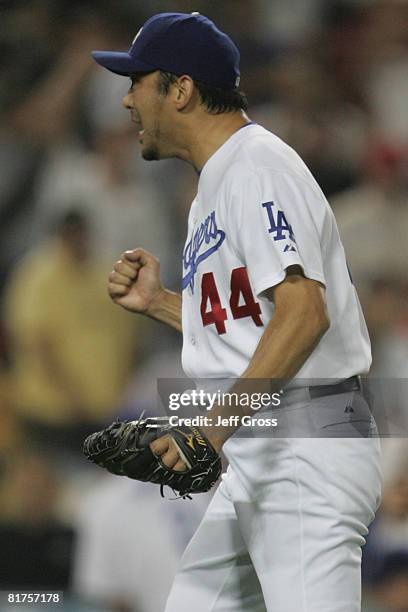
<point>328,76</point>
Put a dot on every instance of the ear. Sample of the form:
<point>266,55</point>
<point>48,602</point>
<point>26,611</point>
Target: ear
<point>184,92</point>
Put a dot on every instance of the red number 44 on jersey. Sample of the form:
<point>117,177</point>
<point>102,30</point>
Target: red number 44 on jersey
<point>240,292</point>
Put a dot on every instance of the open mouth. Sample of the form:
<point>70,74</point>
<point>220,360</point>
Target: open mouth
<point>138,122</point>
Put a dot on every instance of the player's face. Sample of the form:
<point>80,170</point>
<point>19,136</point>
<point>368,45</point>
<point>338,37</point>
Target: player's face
<point>147,109</point>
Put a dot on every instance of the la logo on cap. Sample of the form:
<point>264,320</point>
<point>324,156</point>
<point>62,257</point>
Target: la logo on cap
<point>137,35</point>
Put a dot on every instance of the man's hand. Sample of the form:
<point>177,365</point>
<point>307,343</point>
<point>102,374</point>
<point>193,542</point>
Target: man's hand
<point>134,282</point>
<point>165,448</point>
<point>152,451</point>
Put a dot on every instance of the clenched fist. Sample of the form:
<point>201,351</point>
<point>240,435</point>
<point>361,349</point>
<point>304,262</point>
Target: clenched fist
<point>134,282</point>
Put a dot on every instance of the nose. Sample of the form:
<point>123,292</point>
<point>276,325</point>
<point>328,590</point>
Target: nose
<point>126,102</point>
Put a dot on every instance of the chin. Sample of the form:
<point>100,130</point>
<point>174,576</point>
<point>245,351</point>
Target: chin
<point>150,154</point>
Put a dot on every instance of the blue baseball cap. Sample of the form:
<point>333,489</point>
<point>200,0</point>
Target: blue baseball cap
<point>180,43</point>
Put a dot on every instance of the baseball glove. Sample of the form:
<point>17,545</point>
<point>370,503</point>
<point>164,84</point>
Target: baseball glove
<point>123,448</point>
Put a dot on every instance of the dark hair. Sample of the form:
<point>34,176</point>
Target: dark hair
<point>215,99</point>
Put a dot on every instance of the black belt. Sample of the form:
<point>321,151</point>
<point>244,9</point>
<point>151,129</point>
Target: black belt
<point>345,386</point>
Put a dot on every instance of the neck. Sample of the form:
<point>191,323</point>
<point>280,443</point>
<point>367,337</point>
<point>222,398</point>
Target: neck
<point>208,133</point>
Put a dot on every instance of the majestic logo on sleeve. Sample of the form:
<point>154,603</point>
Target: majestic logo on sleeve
<point>206,239</point>
<point>279,226</point>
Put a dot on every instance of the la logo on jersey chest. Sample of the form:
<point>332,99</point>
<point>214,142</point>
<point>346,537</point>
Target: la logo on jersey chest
<point>205,240</point>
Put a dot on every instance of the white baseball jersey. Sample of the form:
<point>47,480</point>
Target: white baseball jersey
<point>257,211</point>
<point>285,527</point>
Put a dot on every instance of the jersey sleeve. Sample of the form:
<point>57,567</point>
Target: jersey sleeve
<point>276,221</point>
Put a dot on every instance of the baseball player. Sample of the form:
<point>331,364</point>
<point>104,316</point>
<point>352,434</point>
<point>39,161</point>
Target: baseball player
<point>266,294</point>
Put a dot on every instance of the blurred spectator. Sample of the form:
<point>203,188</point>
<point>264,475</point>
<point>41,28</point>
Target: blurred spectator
<point>385,556</point>
<point>391,361</point>
<point>126,205</point>
<point>391,590</point>
<point>373,223</point>
<point>304,110</point>
<point>291,22</point>
<point>390,593</point>
<point>389,531</point>
<point>122,525</point>
<point>36,548</point>
<point>373,217</point>
<point>387,74</point>
<point>39,110</point>
<point>72,349</point>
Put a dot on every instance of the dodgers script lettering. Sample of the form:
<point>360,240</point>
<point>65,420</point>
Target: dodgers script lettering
<point>206,239</point>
